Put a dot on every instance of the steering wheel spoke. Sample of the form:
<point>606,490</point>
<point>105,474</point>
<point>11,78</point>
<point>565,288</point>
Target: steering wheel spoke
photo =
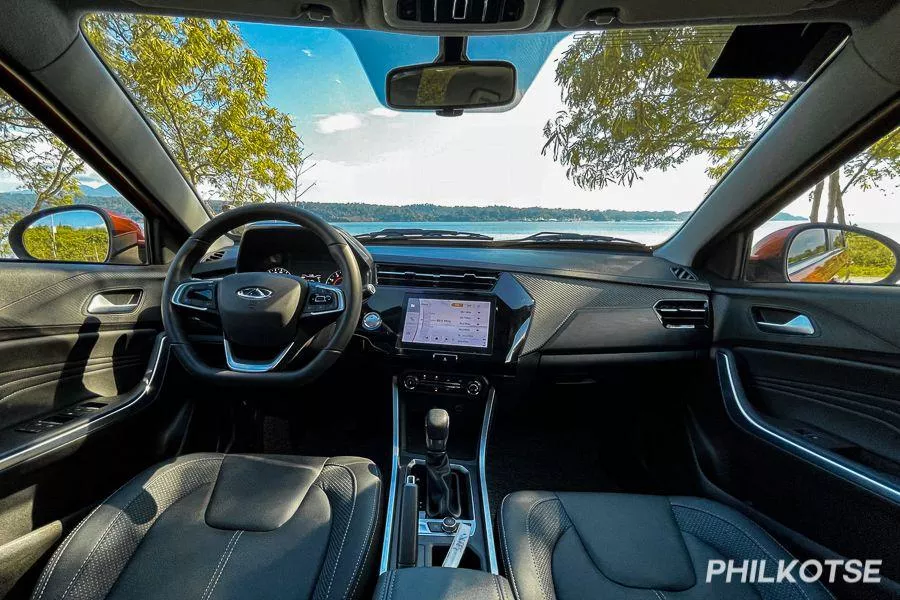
<point>197,294</point>
<point>323,300</point>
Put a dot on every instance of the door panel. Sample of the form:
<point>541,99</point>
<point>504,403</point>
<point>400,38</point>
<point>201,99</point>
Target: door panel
<point>805,426</point>
<point>94,370</point>
<point>56,350</point>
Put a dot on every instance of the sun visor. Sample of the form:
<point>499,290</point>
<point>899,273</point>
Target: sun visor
<point>784,52</point>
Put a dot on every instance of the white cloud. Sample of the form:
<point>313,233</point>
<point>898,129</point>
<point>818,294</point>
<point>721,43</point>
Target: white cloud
<point>307,52</point>
<point>383,112</point>
<point>338,122</point>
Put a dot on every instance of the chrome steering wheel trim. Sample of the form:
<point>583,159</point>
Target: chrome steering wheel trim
<point>253,367</point>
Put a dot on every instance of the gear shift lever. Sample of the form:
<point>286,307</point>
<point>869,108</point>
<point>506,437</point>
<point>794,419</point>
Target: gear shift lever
<point>440,484</point>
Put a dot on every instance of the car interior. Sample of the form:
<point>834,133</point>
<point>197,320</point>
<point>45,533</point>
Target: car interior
<point>254,402</point>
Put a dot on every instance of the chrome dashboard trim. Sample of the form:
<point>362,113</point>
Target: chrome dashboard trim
<point>734,396</point>
<point>518,341</point>
<point>395,466</point>
<point>482,480</point>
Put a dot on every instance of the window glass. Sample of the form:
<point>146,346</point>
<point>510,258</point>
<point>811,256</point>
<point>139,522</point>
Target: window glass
<point>845,229</point>
<point>39,177</point>
<point>618,132</point>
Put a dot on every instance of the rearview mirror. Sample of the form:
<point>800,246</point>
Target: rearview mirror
<point>452,86</point>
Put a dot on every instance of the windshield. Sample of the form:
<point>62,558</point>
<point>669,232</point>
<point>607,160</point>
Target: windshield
<point>617,133</point>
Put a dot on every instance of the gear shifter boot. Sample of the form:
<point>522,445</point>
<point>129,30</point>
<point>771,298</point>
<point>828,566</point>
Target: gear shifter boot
<point>441,484</point>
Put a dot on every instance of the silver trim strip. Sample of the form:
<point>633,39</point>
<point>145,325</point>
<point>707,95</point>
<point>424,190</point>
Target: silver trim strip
<point>150,382</point>
<point>518,341</point>
<point>395,465</point>
<point>482,479</point>
<point>846,471</point>
<point>242,367</point>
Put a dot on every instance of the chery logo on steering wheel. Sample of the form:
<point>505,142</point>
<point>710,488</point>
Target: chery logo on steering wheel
<point>254,293</point>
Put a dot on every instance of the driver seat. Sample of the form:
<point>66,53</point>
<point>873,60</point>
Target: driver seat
<point>225,526</point>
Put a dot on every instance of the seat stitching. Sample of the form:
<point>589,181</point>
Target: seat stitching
<point>218,565</point>
<point>507,557</point>
<point>499,588</point>
<point>749,536</point>
<point>393,581</point>
<point>46,577</point>
<point>122,512</point>
<point>373,519</point>
<point>235,539</point>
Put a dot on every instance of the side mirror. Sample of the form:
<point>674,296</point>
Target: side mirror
<point>826,253</point>
<point>76,233</point>
<point>452,86</point>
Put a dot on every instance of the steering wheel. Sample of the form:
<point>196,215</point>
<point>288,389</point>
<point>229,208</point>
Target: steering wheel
<point>267,318</point>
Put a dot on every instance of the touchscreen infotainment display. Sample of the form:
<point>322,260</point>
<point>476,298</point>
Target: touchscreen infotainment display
<point>442,322</point>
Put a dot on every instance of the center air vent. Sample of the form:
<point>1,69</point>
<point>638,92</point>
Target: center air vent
<point>683,314</point>
<point>460,11</point>
<point>435,277</point>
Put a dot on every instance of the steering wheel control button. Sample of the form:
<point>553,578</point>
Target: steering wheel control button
<point>197,295</point>
<point>324,299</point>
<point>371,321</point>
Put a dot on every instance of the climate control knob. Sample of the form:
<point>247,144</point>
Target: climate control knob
<point>473,388</point>
<point>410,382</point>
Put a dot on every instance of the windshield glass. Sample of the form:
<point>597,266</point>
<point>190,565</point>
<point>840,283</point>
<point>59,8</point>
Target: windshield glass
<point>616,133</point>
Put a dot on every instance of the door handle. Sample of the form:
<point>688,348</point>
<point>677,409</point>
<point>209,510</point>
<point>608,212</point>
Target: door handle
<point>799,325</point>
<point>117,302</point>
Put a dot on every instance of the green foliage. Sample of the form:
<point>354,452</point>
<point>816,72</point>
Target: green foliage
<point>36,158</point>
<point>205,89</point>
<point>67,243</point>
<point>868,257</point>
<point>638,101</point>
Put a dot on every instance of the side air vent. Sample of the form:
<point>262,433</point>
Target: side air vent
<point>683,274</point>
<point>683,314</point>
<point>217,255</point>
<point>460,11</point>
<point>435,277</point>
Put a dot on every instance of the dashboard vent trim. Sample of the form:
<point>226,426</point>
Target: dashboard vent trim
<point>683,314</point>
<point>683,273</point>
<point>217,255</point>
<point>435,277</point>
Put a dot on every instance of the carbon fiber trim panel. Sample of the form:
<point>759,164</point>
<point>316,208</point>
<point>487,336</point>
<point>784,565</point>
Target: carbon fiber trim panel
<point>555,299</point>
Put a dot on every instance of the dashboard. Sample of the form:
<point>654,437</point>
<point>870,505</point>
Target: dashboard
<point>489,309</point>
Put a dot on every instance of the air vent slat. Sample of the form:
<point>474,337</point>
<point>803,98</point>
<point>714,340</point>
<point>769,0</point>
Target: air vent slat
<point>683,274</point>
<point>435,277</point>
<point>683,314</point>
<point>217,255</point>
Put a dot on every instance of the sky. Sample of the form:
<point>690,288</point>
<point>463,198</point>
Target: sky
<point>365,152</point>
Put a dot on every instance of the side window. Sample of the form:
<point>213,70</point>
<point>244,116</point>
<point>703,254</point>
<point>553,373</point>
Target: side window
<point>845,229</point>
<point>53,206</point>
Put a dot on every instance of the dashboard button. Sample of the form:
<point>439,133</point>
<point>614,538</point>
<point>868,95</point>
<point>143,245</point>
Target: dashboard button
<point>444,358</point>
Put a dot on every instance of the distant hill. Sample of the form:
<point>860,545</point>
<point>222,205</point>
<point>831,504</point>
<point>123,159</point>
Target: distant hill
<point>106,196</point>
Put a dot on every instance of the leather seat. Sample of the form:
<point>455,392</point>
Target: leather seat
<point>572,546</point>
<point>225,526</point>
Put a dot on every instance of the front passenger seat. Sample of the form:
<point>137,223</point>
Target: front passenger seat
<point>580,546</point>
<point>225,526</point>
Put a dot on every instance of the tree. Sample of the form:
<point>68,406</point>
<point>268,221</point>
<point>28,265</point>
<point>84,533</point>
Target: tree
<point>636,102</point>
<point>205,90</point>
